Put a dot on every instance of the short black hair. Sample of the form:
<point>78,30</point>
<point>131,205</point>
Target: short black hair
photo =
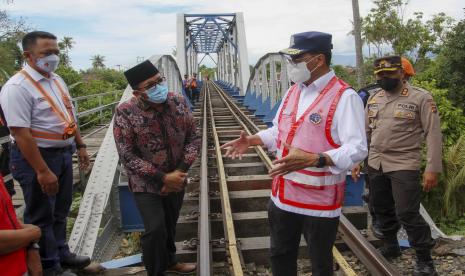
<point>31,38</point>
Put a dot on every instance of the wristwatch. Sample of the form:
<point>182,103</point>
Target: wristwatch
<point>321,161</point>
<point>81,146</point>
<point>33,246</point>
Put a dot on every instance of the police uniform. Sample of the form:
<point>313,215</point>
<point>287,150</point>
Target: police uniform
<point>29,100</point>
<point>397,125</point>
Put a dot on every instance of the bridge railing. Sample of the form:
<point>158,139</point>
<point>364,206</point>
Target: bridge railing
<point>267,85</point>
<point>106,194</point>
<point>102,104</point>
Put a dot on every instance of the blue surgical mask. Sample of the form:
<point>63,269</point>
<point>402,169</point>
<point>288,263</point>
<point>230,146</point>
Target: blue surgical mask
<point>157,94</point>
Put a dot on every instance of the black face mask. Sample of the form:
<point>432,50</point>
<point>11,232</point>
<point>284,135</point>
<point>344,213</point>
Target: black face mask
<point>388,84</point>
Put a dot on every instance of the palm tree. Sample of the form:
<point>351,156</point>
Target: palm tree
<point>68,43</point>
<point>65,45</point>
<point>98,61</point>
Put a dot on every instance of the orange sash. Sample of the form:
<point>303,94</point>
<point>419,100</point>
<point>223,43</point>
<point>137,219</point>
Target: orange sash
<point>71,128</point>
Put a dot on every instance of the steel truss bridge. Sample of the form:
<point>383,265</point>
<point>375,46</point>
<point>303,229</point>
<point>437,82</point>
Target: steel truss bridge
<point>249,98</point>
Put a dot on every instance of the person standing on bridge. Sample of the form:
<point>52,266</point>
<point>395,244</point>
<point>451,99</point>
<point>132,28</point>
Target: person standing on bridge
<point>398,118</point>
<point>39,113</point>
<point>194,86</point>
<point>318,135</point>
<point>157,141</point>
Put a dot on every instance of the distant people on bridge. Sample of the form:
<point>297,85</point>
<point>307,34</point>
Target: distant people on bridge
<point>38,110</point>
<point>194,88</point>
<point>318,135</point>
<point>19,252</point>
<point>186,86</point>
<point>157,141</point>
<point>398,118</point>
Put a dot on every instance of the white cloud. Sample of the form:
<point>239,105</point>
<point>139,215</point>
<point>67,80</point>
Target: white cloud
<point>121,30</point>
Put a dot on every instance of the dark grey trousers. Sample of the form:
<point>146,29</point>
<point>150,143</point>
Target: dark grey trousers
<point>160,215</point>
<point>396,202</point>
<point>286,229</point>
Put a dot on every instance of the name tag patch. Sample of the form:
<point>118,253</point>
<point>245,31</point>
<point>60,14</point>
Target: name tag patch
<point>373,106</point>
<point>408,107</point>
<point>404,114</point>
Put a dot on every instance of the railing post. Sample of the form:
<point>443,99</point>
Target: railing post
<point>82,174</point>
<point>101,111</point>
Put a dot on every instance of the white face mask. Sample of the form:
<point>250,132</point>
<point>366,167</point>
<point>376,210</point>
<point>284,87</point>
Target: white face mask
<point>49,63</point>
<point>299,73</point>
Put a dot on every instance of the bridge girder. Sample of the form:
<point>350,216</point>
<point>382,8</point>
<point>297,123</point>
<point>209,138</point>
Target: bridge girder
<point>220,34</point>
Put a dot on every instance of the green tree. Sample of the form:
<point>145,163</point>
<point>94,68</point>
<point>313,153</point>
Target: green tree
<point>11,33</point>
<point>206,71</point>
<point>98,61</point>
<point>348,74</point>
<point>387,30</point>
<point>65,45</point>
<point>450,69</point>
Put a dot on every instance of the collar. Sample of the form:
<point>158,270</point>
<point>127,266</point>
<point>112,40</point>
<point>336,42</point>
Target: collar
<point>320,83</point>
<point>36,76</point>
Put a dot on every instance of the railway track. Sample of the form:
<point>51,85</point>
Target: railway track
<point>232,224</point>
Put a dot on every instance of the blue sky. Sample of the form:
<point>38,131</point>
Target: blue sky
<point>122,30</point>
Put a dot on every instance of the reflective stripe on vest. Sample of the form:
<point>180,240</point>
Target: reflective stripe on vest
<point>71,128</point>
<point>310,188</point>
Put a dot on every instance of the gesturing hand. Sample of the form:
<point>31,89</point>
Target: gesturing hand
<point>236,148</point>
<point>296,160</point>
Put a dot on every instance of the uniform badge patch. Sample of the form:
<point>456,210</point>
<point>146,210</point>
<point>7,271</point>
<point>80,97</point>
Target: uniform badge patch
<point>434,108</point>
<point>406,106</point>
<point>373,106</point>
<point>315,118</point>
<point>404,92</point>
<point>404,114</point>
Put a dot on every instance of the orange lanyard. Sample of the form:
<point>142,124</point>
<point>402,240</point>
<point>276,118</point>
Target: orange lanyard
<point>65,98</point>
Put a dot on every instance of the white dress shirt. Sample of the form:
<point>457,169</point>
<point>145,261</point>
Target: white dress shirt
<point>347,129</point>
<point>24,106</point>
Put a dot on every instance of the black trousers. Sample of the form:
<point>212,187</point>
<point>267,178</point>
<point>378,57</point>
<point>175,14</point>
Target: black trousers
<point>286,229</point>
<point>160,215</point>
<point>396,202</point>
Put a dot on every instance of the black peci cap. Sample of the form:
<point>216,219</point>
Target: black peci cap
<point>140,73</point>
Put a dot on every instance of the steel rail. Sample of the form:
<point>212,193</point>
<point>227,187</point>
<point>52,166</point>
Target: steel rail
<point>375,262</point>
<point>204,256</point>
<point>368,255</point>
<point>228,222</point>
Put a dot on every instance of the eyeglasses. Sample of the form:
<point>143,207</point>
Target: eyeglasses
<point>299,60</point>
<point>151,85</point>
